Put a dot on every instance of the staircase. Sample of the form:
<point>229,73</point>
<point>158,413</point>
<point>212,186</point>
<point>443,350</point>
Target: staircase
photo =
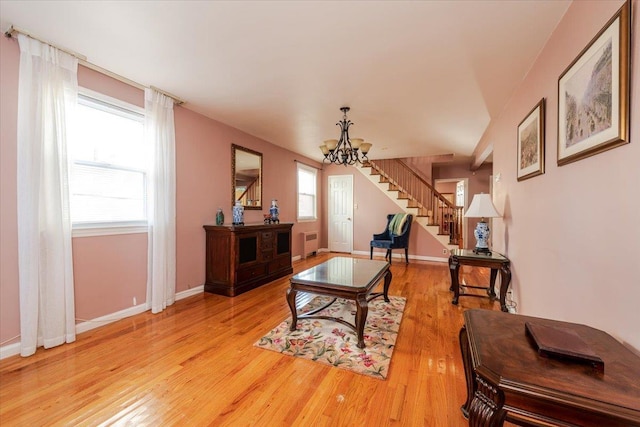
<point>431,210</point>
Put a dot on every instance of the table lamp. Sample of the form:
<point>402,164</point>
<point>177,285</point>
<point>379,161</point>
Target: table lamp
<point>482,207</point>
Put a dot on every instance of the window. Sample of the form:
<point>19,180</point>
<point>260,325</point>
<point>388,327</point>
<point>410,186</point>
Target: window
<point>108,182</point>
<point>306,193</point>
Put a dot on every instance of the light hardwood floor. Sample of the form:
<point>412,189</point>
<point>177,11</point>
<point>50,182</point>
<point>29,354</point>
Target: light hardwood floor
<point>195,364</point>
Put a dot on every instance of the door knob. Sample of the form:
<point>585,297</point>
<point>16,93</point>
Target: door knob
<point>348,219</point>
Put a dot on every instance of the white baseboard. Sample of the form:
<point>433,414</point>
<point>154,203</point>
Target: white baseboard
<point>9,350</point>
<point>189,292</point>
<point>14,348</point>
<point>400,256</point>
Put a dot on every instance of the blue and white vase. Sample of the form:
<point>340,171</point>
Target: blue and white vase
<point>274,210</point>
<point>238,213</point>
<point>481,234</point>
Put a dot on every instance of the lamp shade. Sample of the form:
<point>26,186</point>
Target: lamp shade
<point>482,207</point>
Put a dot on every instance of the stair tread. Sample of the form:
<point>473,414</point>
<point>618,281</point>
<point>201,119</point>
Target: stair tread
<point>409,206</point>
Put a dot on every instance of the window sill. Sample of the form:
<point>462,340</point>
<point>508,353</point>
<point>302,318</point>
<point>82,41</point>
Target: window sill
<point>307,219</point>
<point>108,230</point>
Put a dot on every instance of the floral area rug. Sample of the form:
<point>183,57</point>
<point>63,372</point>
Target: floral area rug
<point>334,344</point>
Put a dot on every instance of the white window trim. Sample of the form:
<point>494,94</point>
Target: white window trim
<point>108,229</point>
<point>314,171</point>
<point>80,229</point>
<point>101,97</point>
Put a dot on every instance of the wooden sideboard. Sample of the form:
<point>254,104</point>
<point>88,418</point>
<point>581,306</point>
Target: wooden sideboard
<point>241,258</point>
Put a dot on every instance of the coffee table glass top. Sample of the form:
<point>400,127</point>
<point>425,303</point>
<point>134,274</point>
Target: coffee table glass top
<point>468,253</point>
<point>349,272</point>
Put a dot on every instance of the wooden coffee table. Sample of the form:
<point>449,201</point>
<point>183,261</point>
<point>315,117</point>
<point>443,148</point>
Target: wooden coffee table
<point>341,277</point>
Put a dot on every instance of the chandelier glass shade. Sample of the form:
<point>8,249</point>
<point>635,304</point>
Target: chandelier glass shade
<point>345,151</point>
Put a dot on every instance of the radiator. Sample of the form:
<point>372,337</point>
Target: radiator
<point>309,243</point>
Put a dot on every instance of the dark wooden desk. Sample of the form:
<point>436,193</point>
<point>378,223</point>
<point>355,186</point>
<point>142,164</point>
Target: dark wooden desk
<point>508,380</point>
<point>494,261</point>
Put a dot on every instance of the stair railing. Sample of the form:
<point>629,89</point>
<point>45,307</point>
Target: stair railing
<point>422,195</point>
<point>251,194</point>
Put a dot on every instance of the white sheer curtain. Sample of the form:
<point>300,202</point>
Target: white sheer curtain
<point>161,213</point>
<point>47,93</point>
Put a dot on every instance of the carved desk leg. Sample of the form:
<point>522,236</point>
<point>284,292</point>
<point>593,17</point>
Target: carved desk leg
<point>505,278</point>
<point>468,371</point>
<point>454,269</point>
<point>484,404</point>
<point>487,405</point>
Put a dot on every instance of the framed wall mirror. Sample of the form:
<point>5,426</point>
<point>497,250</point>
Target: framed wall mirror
<point>246,177</point>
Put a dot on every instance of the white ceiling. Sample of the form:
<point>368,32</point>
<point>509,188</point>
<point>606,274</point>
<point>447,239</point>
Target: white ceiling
<point>422,78</point>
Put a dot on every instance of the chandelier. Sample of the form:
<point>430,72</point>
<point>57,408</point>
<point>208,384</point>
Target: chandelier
<point>345,150</point>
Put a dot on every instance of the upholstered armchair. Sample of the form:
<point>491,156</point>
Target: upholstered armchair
<point>394,236</point>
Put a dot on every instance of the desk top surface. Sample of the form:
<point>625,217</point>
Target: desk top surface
<point>501,350</point>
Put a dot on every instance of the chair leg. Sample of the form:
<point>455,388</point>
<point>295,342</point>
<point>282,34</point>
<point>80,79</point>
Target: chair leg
<point>371,254</point>
<point>406,255</point>
<point>388,255</point>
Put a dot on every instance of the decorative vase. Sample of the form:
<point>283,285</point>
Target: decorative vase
<point>219,217</point>
<point>481,234</point>
<point>238,213</point>
<point>274,211</point>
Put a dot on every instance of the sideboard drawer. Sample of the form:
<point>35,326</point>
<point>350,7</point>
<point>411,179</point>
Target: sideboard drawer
<point>279,264</point>
<point>248,273</point>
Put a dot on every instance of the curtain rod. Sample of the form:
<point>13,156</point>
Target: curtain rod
<point>83,61</point>
<point>307,164</point>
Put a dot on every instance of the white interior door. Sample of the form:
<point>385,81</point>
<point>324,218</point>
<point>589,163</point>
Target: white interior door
<point>340,213</point>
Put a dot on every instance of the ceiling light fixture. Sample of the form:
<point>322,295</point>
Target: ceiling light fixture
<point>345,150</point>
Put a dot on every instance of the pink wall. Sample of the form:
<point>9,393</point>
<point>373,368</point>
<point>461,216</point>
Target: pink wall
<point>371,216</point>
<point>572,234</point>
<point>445,187</point>
<point>111,270</point>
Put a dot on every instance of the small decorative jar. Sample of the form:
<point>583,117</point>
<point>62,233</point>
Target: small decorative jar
<point>238,213</point>
<point>274,211</point>
<point>219,217</point>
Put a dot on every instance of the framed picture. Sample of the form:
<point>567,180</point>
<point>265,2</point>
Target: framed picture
<point>531,143</point>
<point>593,94</point>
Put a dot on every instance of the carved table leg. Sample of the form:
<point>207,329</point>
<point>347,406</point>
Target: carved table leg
<point>362,309</point>
<point>387,282</point>
<point>291,299</point>
<point>454,269</point>
<point>492,283</point>
<point>505,277</point>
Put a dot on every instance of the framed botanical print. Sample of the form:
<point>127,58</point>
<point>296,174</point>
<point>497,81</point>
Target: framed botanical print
<point>531,143</point>
<point>593,94</point>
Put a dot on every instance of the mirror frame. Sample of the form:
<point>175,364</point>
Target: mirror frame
<point>234,149</point>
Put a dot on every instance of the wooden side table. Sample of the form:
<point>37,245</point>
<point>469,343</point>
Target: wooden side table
<point>508,380</point>
<point>494,261</point>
